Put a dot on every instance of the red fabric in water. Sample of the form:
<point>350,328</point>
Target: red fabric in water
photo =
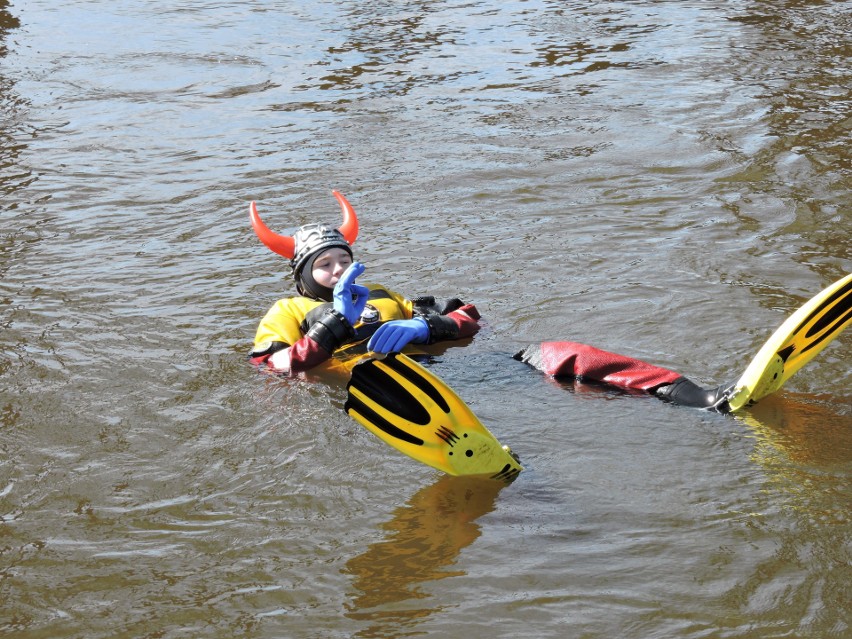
<point>588,362</point>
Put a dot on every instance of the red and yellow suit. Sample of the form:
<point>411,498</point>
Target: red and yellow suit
<point>315,332</point>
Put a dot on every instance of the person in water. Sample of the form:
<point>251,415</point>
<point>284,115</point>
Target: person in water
<point>332,315</point>
<point>335,316</point>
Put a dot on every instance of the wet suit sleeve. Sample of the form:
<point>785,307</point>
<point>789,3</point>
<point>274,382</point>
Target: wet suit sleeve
<point>326,334</point>
<point>276,331</point>
<point>451,320</point>
<point>311,339</point>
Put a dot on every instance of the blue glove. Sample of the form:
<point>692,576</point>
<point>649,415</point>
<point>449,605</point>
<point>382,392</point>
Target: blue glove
<point>346,289</point>
<point>392,336</point>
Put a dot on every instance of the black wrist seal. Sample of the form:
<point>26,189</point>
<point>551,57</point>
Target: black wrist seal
<point>441,327</point>
<point>331,330</point>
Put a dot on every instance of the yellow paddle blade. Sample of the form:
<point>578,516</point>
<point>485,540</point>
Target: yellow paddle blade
<point>412,410</point>
<point>796,342</point>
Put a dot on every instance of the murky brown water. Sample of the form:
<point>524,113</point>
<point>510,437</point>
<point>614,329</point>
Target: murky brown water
<point>665,179</point>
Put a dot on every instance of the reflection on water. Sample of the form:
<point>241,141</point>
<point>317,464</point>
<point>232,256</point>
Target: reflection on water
<point>802,445</point>
<point>802,428</point>
<point>422,542</point>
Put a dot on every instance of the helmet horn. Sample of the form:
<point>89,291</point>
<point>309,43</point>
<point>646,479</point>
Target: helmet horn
<point>349,228</point>
<point>286,245</point>
<point>281,244</point>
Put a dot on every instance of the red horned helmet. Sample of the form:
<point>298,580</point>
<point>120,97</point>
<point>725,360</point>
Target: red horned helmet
<point>309,239</point>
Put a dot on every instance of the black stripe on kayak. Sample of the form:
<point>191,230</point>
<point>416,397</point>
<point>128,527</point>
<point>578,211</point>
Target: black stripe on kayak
<point>416,378</point>
<point>447,435</point>
<point>784,354</point>
<point>507,473</point>
<point>379,387</point>
<point>830,334</point>
<point>355,404</point>
<point>841,300</point>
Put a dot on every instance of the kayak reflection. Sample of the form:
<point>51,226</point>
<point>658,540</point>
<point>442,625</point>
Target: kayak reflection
<point>800,427</point>
<point>421,544</point>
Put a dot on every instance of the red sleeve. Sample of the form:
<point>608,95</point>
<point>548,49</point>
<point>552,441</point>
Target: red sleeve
<point>305,354</point>
<point>467,319</point>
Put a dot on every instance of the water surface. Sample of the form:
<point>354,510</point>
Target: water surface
<point>663,179</point>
